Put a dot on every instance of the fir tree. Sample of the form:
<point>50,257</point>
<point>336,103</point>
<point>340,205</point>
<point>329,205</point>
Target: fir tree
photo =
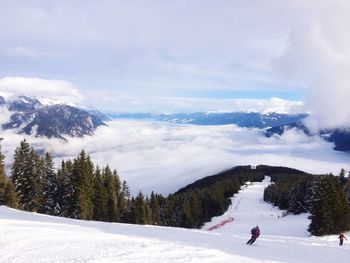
<point>330,212</point>
<point>121,202</point>
<point>51,188</point>
<point>112,195</point>
<point>297,203</point>
<point>139,210</point>
<point>100,197</point>
<point>83,174</point>
<point>154,209</point>
<point>126,191</point>
<point>37,180</point>
<point>342,177</point>
<point>2,178</point>
<point>67,190</point>
<point>347,190</point>
<point>27,177</point>
<point>10,198</point>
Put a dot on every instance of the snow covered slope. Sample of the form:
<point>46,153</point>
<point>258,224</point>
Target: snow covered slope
<point>29,237</point>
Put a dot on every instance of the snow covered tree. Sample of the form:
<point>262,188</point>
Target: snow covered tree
<point>7,194</point>
<point>27,172</point>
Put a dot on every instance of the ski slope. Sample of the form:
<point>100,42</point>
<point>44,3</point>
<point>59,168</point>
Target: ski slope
<point>29,237</point>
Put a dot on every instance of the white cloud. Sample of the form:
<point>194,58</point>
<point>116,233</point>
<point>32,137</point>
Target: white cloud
<point>318,55</point>
<point>164,157</point>
<point>58,90</point>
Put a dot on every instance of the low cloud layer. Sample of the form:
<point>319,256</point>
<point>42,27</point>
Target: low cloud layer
<point>60,91</point>
<point>164,157</point>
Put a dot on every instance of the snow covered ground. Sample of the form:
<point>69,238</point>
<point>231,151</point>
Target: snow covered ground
<point>29,237</point>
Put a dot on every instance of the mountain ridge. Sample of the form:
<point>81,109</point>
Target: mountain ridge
<point>28,115</point>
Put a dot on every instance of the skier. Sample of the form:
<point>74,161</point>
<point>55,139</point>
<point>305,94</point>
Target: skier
<point>341,239</point>
<point>255,234</point>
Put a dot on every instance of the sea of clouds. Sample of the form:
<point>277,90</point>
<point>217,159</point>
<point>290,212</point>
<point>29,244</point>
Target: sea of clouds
<point>164,157</point>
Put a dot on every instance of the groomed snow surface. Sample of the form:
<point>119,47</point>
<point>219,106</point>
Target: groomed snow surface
<point>29,237</point>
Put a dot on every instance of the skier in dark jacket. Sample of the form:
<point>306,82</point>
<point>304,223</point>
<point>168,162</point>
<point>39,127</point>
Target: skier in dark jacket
<point>255,234</point>
<point>341,239</point>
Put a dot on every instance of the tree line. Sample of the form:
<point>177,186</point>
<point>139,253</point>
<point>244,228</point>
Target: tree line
<point>325,197</point>
<point>82,190</point>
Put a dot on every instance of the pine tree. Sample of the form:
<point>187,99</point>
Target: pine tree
<point>2,178</point>
<point>330,212</point>
<point>154,209</point>
<point>10,198</point>
<point>83,180</point>
<point>297,194</point>
<point>51,188</point>
<point>342,177</point>
<point>100,197</point>
<point>37,182</point>
<point>126,191</point>
<point>347,190</point>
<point>139,210</point>
<point>67,190</point>
<point>196,209</point>
<point>27,173</point>
<point>126,217</point>
<point>186,218</point>
<point>121,202</point>
<point>112,194</point>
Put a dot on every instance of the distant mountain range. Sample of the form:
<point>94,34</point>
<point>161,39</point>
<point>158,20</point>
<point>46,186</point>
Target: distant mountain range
<point>42,117</point>
<point>241,119</point>
<point>340,137</point>
<point>30,116</point>
<point>274,123</point>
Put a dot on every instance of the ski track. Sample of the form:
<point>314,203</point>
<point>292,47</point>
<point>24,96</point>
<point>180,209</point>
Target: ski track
<point>34,238</point>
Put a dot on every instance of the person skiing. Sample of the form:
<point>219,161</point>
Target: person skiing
<point>255,234</point>
<point>341,239</point>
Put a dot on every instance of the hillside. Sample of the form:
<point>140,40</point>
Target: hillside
<point>30,237</point>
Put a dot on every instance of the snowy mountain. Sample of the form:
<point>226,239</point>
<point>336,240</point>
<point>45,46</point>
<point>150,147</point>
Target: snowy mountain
<point>30,116</point>
<point>30,237</point>
<point>241,119</point>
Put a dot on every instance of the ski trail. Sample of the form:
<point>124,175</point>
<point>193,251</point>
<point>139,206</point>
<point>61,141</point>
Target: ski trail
<point>248,210</point>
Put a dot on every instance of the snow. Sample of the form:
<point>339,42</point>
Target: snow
<point>29,237</point>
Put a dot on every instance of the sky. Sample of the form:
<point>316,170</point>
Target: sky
<point>171,56</point>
